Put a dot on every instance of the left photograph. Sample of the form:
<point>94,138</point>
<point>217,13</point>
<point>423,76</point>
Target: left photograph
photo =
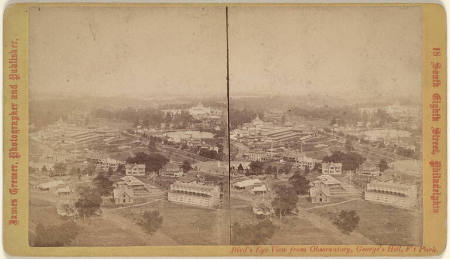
<point>128,136</point>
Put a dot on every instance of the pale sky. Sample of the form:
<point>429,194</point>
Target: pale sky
<point>339,51</point>
<point>137,51</point>
<point>350,52</point>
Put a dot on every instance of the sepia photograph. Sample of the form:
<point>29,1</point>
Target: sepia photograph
<point>326,125</point>
<point>128,126</point>
<point>225,125</point>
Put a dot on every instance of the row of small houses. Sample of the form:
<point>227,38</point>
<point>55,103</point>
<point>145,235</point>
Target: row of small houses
<point>171,169</point>
<point>327,168</point>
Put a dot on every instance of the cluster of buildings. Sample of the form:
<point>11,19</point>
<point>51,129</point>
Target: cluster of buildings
<point>255,186</point>
<point>106,164</point>
<point>262,135</point>
<point>380,188</point>
<point>204,117</point>
<point>67,136</point>
<point>202,112</point>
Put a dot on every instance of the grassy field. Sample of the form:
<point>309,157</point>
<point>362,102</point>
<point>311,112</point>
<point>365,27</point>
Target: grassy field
<point>188,225</point>
<point>299,231</point>
<point>291,230</point>
<point>382,224</point>
<point>182,225</point>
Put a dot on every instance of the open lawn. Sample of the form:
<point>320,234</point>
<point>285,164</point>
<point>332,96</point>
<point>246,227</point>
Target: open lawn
<point>297,230</point>
<point>182,225</point>
<point>294,230</point>
<point>382,224</point>
<point>188,225</point>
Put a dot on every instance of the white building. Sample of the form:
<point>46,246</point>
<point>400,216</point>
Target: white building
<point>395,194</point>
<point>123,196</point>
<point>304,161</point>
<point>247,184</point>
<point>132,188</point>
<point>257,156</point>
<point>171,169</point>
<point>107,163</point>
<point>194,194</point>
<point>368,170</point>
<point>135,169</point>
<point>332,168</point>
<point>323,188</point>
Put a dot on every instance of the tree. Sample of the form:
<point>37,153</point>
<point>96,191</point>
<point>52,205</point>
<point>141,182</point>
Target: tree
<point>120,169</point>
<point>350,161</point>
<point>54,235</point>
<point>151,221</point>
<point>300,183</point>
<point>153,161</point>
<point>252,234</point>
<point>152,145</point>
<point>383,165</point>
<point>103,184</point>
<point>285,201</point>
<point>240,167</point>
<point>44,169</point>
<point>270,170</point>
<point>203,223</point>
<point>239,117</point>
<point>212,154</point>
<point>73,171</point>
<point>186,166</point>
<point>90,169</point>
<point>307,170</point>
<point>348,145</point>
<point>347,221</point>
<point>110,171</point>
<point>89,202</point>
<point>256,167</point>
<point>286,168</point>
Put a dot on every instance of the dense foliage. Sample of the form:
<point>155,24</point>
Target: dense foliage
<point>252,234</point>
<point>151,221</point>
<point>54,235</point>
<point>153,161</point>
<point>347,221</point>
<point>300,183</point>
<point>103,184</point>
<point>350,160</point>
<point>89,202</point>
<point>285,201</point>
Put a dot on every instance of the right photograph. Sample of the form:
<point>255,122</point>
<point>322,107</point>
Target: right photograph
<point>325,122</point>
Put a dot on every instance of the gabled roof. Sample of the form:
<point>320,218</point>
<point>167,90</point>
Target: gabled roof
<point>171,167</point>
<point>247,183</point>
<point>131,180</point>
<point>130,166</point>
<point>119,191</point>
<point>328,179</point>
